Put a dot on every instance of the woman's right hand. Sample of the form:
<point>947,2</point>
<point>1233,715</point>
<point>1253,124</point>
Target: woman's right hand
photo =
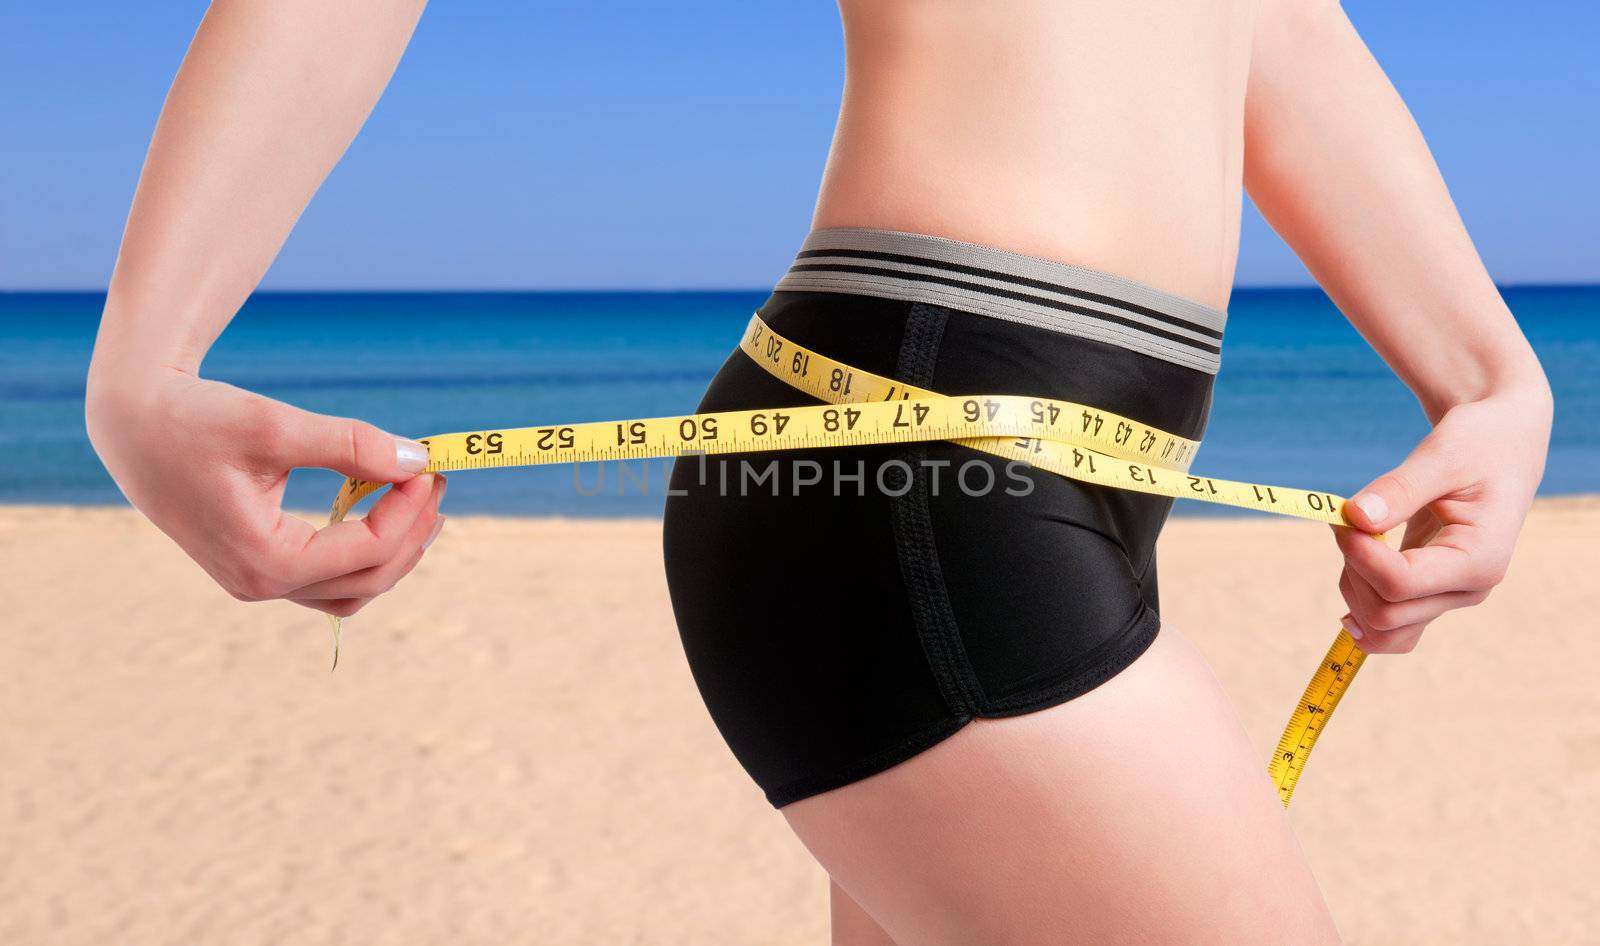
<point>207,463</point>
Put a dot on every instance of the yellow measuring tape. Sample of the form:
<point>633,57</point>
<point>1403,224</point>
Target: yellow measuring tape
<point>1074,440</point>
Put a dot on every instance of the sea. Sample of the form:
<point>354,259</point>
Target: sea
<point>1301,398</point>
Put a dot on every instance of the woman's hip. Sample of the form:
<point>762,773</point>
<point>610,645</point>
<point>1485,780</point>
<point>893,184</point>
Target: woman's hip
<point>842,609</point>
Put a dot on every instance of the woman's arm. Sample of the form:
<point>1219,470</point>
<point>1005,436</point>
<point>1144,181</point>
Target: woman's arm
<point>269,96</point>
<point>1335,162</point>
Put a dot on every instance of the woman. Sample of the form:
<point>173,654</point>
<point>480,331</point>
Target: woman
<point>978,726</point>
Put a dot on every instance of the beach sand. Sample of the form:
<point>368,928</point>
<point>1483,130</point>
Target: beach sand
<point>512,749</point>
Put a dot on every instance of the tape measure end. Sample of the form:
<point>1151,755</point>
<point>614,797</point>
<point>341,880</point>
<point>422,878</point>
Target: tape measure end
<point>337,623</point>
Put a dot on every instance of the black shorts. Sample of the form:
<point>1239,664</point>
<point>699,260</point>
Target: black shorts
<point>843,609</point>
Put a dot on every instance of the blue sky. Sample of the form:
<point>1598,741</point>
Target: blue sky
<point>678,145</point>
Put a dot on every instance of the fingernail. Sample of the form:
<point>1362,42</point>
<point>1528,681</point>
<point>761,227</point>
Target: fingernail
<point>437,525</point>
<point>1373,505</point>
<point>409,455</point>
<point>1349,624</point>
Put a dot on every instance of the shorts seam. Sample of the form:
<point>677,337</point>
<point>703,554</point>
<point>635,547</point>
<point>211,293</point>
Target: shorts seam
<point>912,521</point>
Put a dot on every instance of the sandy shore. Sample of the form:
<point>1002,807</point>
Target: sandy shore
<point>512,749</point>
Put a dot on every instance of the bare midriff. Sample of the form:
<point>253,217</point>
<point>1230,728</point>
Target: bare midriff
<point>1104,134</point>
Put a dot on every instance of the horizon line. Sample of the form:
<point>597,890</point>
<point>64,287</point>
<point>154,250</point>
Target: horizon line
<point>705,290</point>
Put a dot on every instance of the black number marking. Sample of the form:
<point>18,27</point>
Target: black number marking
<point>630,434</point>
<point>919,413</point>
<point>1320,502</point>
<point>833,420</point>
<point>557,438</point>
<point>488,443</point>
<point>690,429</point>
<point>973,411</point>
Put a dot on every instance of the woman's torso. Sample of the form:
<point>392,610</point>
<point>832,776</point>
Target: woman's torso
<point>844,608</point>
<point>1104,134</point>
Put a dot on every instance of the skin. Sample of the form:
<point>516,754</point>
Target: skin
<point>268,98</point>
<point>1117,137</point>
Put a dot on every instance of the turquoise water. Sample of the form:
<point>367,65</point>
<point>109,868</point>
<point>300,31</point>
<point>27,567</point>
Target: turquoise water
<point>1301,399</point>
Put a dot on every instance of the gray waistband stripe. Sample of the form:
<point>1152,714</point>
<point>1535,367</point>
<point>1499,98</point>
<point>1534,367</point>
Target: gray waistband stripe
<point>1017,266</point>
<point>1060,298</point>
<point>1014,286</point>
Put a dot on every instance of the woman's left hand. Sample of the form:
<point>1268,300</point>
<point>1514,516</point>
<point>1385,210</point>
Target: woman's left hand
<point>1462,495</point>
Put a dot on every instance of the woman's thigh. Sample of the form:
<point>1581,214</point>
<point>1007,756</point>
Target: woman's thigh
<point>1136,813</point>
<point>851,925</point>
